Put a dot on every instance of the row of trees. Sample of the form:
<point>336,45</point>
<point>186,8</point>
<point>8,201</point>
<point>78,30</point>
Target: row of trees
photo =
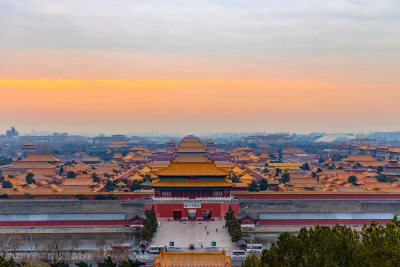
<point>108,262</point>
<point>59,248</point>
<point>150,224</point>
<point>261,185</point>
<point>375,245</point>
<point>7,184</point>
<point>233,225</point>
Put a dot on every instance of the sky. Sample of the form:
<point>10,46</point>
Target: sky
<point>122,66</point>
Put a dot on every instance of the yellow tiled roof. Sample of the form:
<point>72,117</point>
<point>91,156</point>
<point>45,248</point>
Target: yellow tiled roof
<point>187,183</point>
<point>40,157</point>
<point>135,177</point>
<point>192,169</point>
<point>291,165</point>
<point>198,259</point>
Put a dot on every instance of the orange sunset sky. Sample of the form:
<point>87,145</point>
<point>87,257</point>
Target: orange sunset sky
<point>209,66</point>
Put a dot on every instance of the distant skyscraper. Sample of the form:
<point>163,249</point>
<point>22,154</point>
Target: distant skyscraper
<point>12,132</point>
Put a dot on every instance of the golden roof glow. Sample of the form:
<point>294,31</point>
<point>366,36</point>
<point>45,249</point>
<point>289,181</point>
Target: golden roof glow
<point>195,259</point>
<point>196,183</point>
<point>192,169</point>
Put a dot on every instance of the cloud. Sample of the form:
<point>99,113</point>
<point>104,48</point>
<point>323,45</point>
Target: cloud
<point>222,30</point>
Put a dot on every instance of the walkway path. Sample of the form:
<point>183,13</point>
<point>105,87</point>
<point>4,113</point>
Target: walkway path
<point>185,233</point>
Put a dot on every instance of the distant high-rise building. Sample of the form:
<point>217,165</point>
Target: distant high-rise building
<point>12,132</point>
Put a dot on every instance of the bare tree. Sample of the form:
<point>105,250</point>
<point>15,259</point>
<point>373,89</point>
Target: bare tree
<point>53,250</point>
<point>3,242</point>
<point>44,252</point>
<point>118,252</point>
<point>15,243</point>
<point>37,243</point>
<point>58,245</point>
<point>100,244</point>
<point>74,244</point>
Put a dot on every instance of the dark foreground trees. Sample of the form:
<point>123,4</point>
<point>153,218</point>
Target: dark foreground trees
<point>233,225</point>
<point>150,224</point>
<point>375,245</point>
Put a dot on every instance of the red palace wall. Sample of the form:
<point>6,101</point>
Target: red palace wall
<point>165,210</point>
<point>70,223</point>
<point>319,222</point>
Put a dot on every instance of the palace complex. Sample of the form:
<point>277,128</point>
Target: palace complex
<point>192,180</point>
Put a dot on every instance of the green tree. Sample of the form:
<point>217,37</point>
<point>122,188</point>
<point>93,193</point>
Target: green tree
<point>318,246</point>
<point>100,197</point>
<point>136,185</point>
<point>277,172</point>
<point>236,234</point>
<point>380,169</point>
<point>385,178</point>
<point>146,178</point>
<point>253,186</point>
<point>111,185</point>
<point>253,260</point>
<point>352,180</point>
<point>337,157</point>
<point>29,196</point>
<point>112,197</point>
<point>229,215</point>
<point>150,224</point>
<point>154,218</point>
<point>61,170</point>
<point>129,263</point>
<point>235,179</point>
<point>108,262</point>
<point>71,174</point>
<point>59,264</point>
<point>83,264</point>
<point>233,225</point>
<point>266,170</point>
<point>29,178</point>
<point>381,244</point>
<point>7,263</point>
<point>263,184</point>
<point>147,233</point>
<point>285,177</point>
<point>305,167</point>
<point>7,184</point>
<point>95,178</point>
<point>81,197</point>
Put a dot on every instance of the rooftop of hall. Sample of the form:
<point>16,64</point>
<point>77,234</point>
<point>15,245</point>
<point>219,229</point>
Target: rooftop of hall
<point>176,168</point>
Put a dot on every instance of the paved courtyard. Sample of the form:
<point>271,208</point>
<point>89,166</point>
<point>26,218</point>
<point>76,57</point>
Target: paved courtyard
<point>191,232</point>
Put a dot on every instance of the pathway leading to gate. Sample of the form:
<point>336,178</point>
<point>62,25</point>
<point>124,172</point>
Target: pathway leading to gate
<point>185,233</point>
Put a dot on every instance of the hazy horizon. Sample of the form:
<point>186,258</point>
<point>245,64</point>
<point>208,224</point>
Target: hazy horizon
<point>151,133</point>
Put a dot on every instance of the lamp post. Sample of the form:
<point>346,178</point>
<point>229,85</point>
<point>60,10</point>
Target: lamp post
<point>7,248</point>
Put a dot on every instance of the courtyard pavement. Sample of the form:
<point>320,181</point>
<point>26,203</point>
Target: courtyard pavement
<point>191,232</point>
